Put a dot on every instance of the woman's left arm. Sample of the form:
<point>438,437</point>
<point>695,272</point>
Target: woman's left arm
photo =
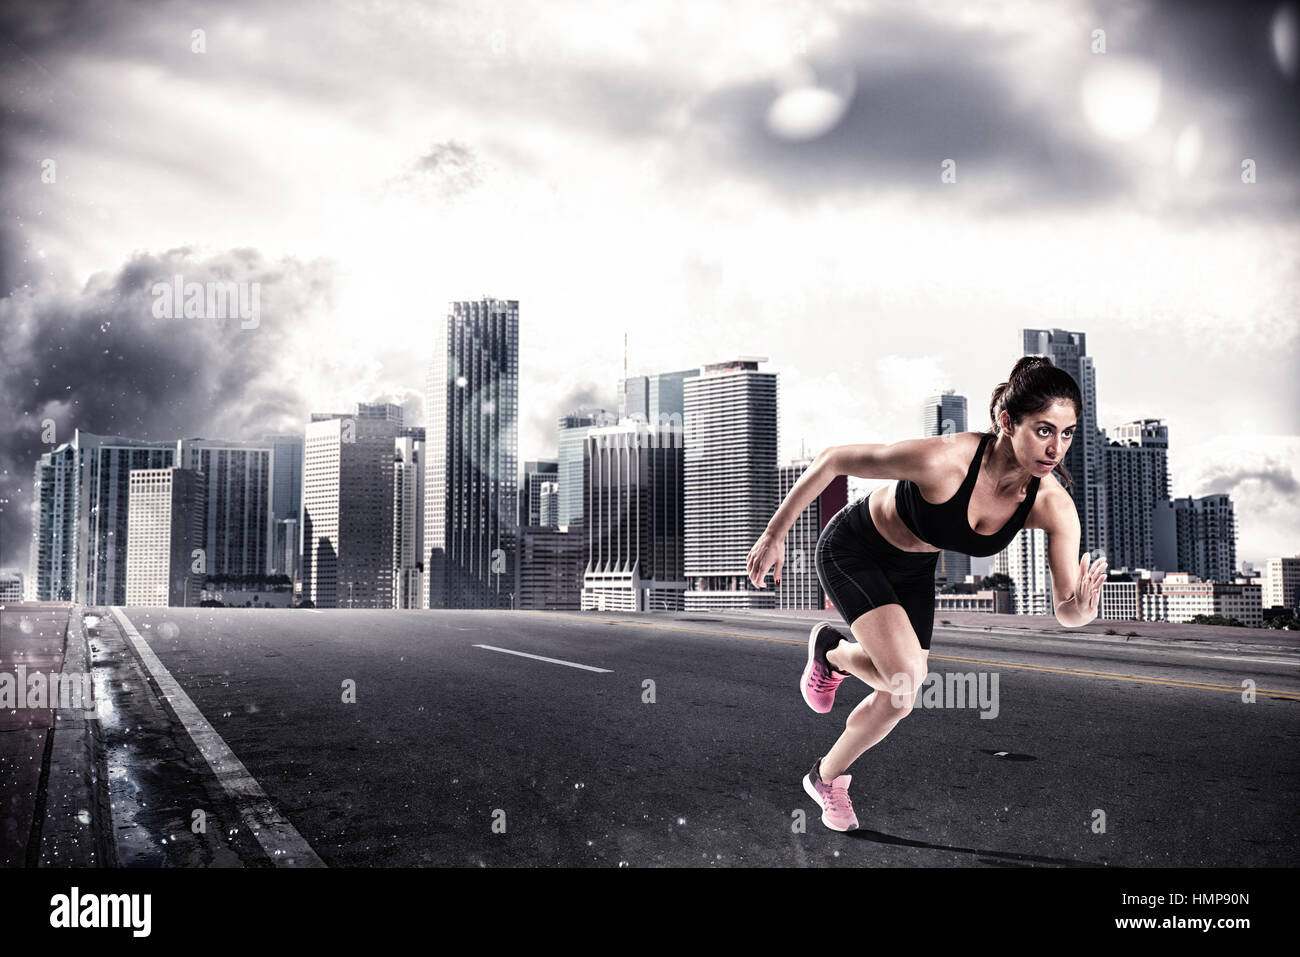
<point>1076,587</point>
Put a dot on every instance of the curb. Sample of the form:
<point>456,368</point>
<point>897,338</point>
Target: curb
<point>76,825</point>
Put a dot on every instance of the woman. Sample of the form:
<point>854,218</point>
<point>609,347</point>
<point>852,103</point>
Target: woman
<point>876,557</point>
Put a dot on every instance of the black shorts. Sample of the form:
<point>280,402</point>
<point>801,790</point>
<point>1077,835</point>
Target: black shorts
<point>860,570</point>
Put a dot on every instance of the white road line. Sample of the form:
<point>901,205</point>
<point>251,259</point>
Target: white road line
<point>280,839</point>
<point>1264,661</point>
<point>555,661</point>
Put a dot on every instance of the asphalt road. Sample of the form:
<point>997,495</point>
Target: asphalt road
<point>458,755</point>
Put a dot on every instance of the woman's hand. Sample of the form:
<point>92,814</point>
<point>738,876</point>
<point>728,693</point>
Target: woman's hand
<point>1087,591</point>
<point>765,551</point>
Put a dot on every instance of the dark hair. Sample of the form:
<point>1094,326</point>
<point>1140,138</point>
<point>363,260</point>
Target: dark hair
<point>1033,385</point>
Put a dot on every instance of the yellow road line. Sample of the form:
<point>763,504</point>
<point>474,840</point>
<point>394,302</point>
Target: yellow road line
<point>1074,672</point>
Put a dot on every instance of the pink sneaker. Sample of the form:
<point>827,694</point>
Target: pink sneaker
<point>837,809</point>
<point>819,679</point>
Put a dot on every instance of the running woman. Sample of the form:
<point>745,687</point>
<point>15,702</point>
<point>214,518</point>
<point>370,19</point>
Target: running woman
<point>876,557</point>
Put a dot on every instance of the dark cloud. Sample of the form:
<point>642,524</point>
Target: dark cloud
<point>930,90</point>
<point>1279,480</point>
<point>925,92</point>
<point>1225,50</point>
<point>97,359</point>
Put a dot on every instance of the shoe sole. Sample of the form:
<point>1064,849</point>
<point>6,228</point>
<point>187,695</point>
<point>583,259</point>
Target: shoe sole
<point>807,671</point>
<point>812,793</point>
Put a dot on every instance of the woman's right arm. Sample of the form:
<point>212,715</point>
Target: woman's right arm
<point>907,459</point>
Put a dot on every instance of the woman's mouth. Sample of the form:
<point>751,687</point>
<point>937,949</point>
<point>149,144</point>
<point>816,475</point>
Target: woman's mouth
<point>1046,465</point>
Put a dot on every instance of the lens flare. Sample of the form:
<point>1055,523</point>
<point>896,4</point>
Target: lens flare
<point>1120,96</point>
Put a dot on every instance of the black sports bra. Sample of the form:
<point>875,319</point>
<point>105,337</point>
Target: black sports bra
<point>946,525</point>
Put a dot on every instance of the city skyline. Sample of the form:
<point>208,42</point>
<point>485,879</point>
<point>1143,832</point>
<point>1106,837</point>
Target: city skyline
<point>857,486</point>
<point>633,155</point>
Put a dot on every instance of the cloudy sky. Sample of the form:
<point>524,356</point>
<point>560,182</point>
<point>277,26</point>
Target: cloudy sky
<point>877,197</point>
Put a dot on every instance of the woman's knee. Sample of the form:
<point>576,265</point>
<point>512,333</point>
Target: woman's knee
<point>887,636</point>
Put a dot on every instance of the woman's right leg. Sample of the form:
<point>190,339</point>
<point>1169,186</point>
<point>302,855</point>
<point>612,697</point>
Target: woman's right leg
<point>889,652</point>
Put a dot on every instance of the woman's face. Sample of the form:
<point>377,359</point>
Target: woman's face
<point>1041,438</point>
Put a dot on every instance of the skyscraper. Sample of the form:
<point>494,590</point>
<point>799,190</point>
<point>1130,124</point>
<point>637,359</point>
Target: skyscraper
<point>548,505</point>
<point>551,564</point>
<point>1024,560</point>
<point>348,513</point>
<point>286,503</point>
<point>571,447</point>
<point>471,506</point>
<point>1137,476</point>
<point>1084,460</point>
<point>945,414</point>
<point>536,473</point>
<point>238,530</point>
<point>53,568</point>
<point>731,421</point>
<point>1207,536</point>
<point>388,411</point>
<point>166,522</point>
<point>104,465</point>
<point>408,521</point>
<point>634,508</point>
<point>656,399</point>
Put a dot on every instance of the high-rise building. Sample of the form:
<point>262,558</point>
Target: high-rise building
<point>536,473</point>
<point>634,507</point>
<point>388,411</point>
<point>1137,478</point>
<point>11,586</point>
<point>239,484</point>
<point>945,414</point>
<point>1282,583</point>
<point>551,564</point>
<point>1207,537</point>
<point>1084,460</point>
<point>286,503</point>
<point>1026,554</point>
<point>166,533</point>
<point>1024,560</point>
<point>655,399</point>
<point>53,567</point>
<point>408,521</point>
<point>104,465</point>
<point>731,423</point>
<point>348,513</point>
<point>471,506</point>
<point>571,446</point>
<point>548,501</point>
<point>800,587</point>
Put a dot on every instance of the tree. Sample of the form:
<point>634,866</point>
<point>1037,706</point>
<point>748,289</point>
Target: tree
<point>1217,620</point>
<point>997,580</point>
